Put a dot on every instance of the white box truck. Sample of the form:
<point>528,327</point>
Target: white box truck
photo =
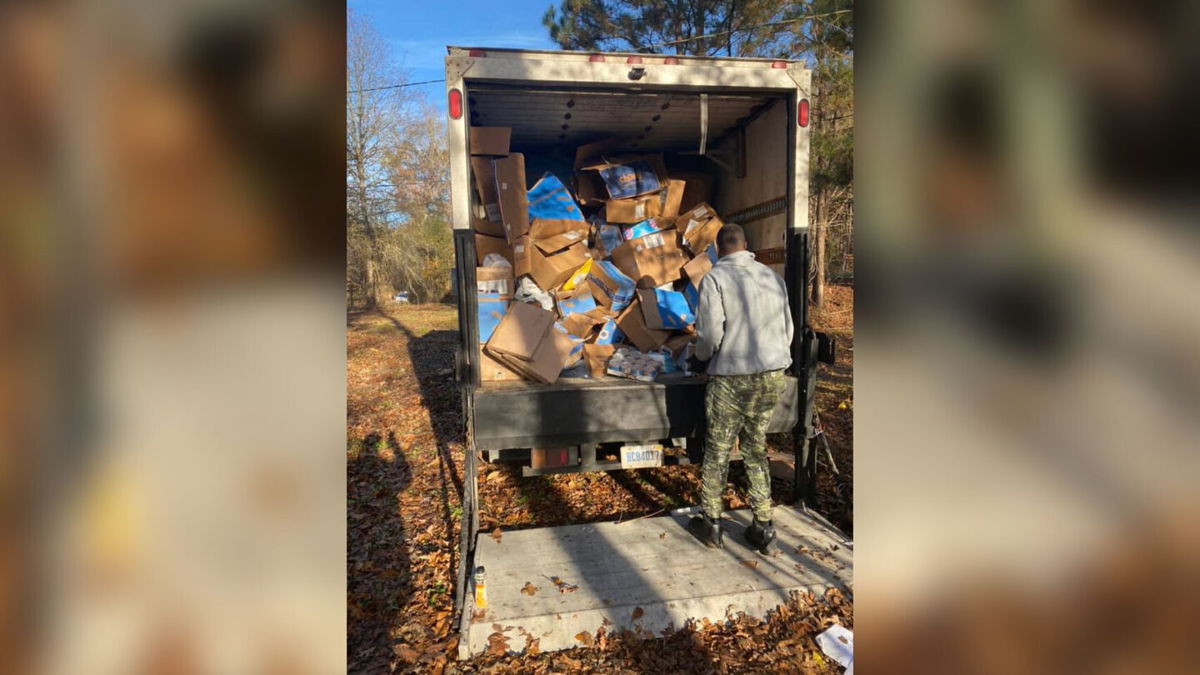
<point>740,122</point>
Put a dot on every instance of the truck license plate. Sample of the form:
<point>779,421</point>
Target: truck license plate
<point>641,456</point>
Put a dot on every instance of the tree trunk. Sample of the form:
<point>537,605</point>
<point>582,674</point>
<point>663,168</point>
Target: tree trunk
<point>819,228</point>
<point>372,296</point>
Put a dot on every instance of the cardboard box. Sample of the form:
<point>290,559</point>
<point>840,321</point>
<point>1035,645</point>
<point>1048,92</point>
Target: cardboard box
<point>510,191</point>
<point>520,332</point>
<point>578,302</point>
<point>692,293</point>
<point>548,357</point>
<point>698,188</point>
<point>544,229</point>
<point>665,310</point>
<point>672,198</point>
<point>633,210</point>
<point>632,323</point>
<point>489,228</point>
<point>490,140</point>
<point>549,269</point>
<point>610,286</point>
<point>494,280</point>
<point>589,188</point>
<point>485,245</point>
<point>596,355</point>
<point>560,241</point>
<point>485,186</point>
<point>699,228</point>
<point>491,370</point>
<point>581,325</point>
<point>655,255</point>
<point>696,268</point>
<point>677,343</point>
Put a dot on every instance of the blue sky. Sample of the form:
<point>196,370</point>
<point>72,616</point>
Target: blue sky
<point>419,31</point>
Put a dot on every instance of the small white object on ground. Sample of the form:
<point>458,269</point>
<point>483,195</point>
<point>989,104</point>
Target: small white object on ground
<point>686,511</point>
<point>838,644</point>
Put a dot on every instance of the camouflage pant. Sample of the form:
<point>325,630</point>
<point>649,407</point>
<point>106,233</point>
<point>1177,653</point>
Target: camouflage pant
<point>739,406</point>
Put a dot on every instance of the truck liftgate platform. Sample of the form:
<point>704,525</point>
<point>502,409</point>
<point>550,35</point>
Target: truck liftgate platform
<point>642,575</point>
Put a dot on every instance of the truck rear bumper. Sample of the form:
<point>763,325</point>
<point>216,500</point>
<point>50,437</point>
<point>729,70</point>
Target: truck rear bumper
<point>576,412</point>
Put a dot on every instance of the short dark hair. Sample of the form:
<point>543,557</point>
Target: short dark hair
<point>731,238</point>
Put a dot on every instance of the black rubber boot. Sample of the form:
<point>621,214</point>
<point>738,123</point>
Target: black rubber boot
<point>706,530</point>
<point>760,535</point>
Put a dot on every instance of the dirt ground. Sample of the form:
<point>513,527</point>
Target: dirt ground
<point>404,451</point>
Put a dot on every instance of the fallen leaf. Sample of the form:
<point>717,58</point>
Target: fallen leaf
<point>496,535</point>
<point>638,612</point>
<point>497,645</point>
<point>585,638</point>
<point>406,653</point>
<point>529,589</point>
<point>752,564</point>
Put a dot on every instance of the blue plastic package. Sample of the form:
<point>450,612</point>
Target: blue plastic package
<point>609,333</point>
<point>492,308</point>
<point>642,229</point>
<point>673,309</point>
<point>577,304</point>
<point>550,200</point>
<point>629,180</point>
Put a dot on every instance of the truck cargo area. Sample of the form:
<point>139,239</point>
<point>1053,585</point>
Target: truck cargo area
<point>745,139</point>
<point>642,575</point>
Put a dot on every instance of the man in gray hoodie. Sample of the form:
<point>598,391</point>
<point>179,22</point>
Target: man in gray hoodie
<point>744,330</point>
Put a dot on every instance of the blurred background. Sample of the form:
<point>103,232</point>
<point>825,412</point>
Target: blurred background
<point>1028,373</point>
<point>172,368</point>
<point>172,299</point>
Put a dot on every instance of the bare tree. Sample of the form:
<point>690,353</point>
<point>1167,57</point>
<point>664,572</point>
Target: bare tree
<point>375,109</point>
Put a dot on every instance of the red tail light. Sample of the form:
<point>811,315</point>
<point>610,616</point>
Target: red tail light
<point>633,59</point>
<point>455,104</point>
<point>779,64</point>
<point>476,52</point>
<point>670,61</point>
<point>596,58</point>
<point>802,112</point>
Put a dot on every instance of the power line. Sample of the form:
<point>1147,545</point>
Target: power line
<point>392,86</point>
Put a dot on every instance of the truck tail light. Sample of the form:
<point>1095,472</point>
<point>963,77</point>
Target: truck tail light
<point>596,58</point>
<point>476,52</point>
<point>633,59</point>
<point>779,64</point>
<point>802,112</point>
<point>455,104</point>
<point>670,61</point>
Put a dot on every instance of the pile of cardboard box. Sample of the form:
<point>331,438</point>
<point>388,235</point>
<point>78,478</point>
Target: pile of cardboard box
<point>621,253</point>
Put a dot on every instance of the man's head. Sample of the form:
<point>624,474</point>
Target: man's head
<point>730,239</point>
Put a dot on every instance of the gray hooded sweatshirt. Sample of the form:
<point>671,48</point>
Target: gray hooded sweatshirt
<point>744,323</point>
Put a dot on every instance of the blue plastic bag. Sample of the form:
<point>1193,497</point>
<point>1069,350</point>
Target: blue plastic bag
<point>550,200</point>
